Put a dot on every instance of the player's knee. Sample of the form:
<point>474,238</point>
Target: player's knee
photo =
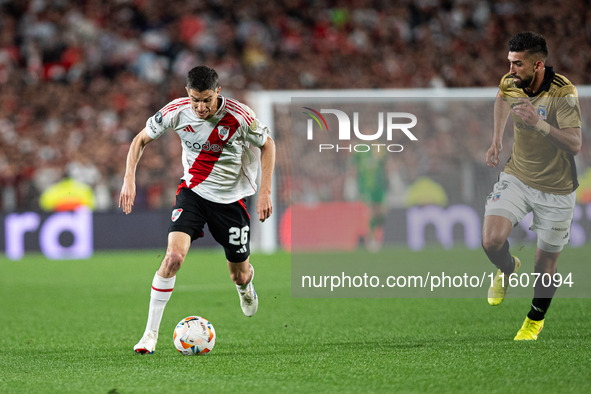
<point>173,261</point>
<point>492,242</point>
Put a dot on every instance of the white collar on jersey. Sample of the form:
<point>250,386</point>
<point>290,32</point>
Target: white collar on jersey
<point>221,108</point>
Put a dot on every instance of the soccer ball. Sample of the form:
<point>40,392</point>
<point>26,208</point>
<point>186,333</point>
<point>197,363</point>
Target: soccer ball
<point>194,335</point>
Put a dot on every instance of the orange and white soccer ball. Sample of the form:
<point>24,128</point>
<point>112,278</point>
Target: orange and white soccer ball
<point>194,335</point>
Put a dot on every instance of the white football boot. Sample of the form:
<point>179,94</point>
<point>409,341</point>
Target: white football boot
<point>147,344</point>
<point>249,302</point>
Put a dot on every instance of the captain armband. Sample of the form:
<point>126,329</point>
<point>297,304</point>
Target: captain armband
<point>543,127</point>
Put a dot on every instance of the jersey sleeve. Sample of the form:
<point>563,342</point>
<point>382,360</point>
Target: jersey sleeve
<point>507,83</point>
<point>508,91</point>
<point>568,110</point>
<point>255,132</point>
<point>161,121</point>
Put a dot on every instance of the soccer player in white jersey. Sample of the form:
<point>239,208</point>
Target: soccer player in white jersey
<point>219,172</point>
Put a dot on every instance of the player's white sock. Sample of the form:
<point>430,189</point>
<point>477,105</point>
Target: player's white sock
<point>161,292</point>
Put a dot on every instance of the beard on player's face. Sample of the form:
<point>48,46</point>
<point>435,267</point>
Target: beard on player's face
<point>523,82</point>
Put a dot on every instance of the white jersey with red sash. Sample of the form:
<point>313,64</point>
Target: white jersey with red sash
<point>218,164</point>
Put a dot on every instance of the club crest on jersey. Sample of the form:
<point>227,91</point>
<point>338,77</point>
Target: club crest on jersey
<point>542,112</point>
<point>176,214</point>
<point>223,132</point>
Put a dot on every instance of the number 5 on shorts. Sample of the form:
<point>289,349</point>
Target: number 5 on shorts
<point>239,236</point>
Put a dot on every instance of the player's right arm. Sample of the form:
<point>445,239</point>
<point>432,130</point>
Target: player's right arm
<point>501,114</point>
<point>127,196</point>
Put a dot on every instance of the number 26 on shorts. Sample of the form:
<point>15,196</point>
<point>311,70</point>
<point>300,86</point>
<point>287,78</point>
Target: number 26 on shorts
<point>239,236</point>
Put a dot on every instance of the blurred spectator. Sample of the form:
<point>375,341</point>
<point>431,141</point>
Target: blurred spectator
<point>67,195</point>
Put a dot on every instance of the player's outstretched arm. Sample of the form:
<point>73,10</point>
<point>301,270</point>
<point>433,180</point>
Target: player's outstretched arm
<point>501,114</point>
<point>264,203</point>
<point>127,196</point>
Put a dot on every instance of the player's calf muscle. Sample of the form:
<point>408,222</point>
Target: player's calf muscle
<point>240,273</point>
<point>240,278</point>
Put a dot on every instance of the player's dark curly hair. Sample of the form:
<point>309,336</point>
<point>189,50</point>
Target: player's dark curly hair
<point>529,42</point>
<point>202,78</point>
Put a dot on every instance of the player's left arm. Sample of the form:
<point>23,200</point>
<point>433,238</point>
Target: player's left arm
<point>569,139</point>
<point>264,203</point>
<point>257,134</point>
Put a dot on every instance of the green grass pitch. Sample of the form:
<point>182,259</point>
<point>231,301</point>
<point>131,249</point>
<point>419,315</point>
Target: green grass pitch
<point>70,326</point>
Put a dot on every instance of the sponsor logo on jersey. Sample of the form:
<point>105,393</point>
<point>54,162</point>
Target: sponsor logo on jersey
<point>176,214</point>
<point>189,129</point>
<point>196,146</point>
<point>158,117</point>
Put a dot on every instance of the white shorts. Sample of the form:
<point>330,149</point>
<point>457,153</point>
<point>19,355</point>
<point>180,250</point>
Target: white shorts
<point>553,213</point>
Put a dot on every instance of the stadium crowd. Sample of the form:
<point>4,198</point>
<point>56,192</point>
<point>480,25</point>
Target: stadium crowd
<point>78,79</point>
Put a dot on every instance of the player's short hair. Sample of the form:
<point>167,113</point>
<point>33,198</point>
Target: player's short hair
<point>529,42</point>
<point>202,78</point>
